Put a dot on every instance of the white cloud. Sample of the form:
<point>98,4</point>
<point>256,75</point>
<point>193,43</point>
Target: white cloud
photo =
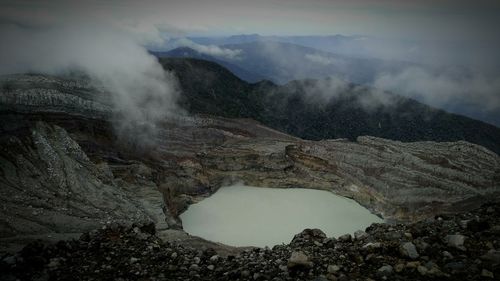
<point>444,88</point>
<point>142,93</point>
<point>324,60</point>
<point>210,50</point>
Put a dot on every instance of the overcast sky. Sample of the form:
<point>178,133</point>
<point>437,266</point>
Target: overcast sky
<point>423,19</point>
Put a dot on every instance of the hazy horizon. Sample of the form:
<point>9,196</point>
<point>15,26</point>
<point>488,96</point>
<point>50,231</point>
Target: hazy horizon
<point>427,19</point>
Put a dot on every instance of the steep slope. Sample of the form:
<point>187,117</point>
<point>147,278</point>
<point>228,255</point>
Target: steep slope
<point>185,52</point>
<point>281,62</point>
<point>209,88</point>
<point>315,109</point>
<point>49,186</point>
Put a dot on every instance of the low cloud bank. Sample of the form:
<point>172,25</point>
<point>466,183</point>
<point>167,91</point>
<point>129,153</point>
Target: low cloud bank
<point>444,89</point>
<point>472,94</point>
<point>323,60</point>
<point>211,50</point>
<point>323,91</point>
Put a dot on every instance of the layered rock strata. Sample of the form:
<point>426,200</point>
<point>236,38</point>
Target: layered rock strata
<point>63,170</point>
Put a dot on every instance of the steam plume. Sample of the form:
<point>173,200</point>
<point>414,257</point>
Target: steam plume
<point>142,93</point>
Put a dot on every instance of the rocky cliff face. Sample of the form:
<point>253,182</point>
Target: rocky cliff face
<point>402,181</point>
<point>49,185</point>
<point>47,94</point>
<point>63,171</point>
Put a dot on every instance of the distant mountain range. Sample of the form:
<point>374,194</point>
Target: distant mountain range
<point>353,46</point>
<point>316,109</point>
<point>284,62</point>
<point>270,58</point>
<point>432,52</point>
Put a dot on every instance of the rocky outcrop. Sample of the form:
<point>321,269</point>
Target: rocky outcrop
<point>137,253</point>
<point>48,186</point>
<point>62,169</point>
<point>402,181</point>
<point>47,94</point>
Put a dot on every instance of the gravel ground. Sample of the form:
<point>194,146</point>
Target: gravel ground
<point>453,247</point>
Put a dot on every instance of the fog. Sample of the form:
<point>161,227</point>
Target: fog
<point>444,89</point>
<point>211,50</point>
<point>456,85</point>
<point>316,58</point>
<point>141,92</point>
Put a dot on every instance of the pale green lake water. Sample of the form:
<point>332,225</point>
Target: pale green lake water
<point>251,216</point>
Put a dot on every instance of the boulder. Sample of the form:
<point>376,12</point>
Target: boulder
<point>360,235</point>
<point>408,250</point>
<point>308,234</point>
<point>299,260</point>
<point>345,238</point>
<point>456,241</point>
<point>385,270</point>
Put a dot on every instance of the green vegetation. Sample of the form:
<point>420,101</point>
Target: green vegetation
<point>209,88</point>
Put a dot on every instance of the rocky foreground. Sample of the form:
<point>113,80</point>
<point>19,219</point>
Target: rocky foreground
<point>459,247</point>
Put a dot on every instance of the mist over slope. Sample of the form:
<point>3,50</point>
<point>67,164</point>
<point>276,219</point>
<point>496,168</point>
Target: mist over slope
<point>283,62</point>
<point>322,109</point>
<point>433,52</point>
<point>439,74</point>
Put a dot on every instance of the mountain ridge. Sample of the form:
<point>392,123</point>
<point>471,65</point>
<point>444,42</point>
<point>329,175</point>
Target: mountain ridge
<point>288,109</point>
<point>186,52</point>
<point>282,62</point>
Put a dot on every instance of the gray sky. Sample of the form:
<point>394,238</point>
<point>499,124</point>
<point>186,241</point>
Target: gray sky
<point>423,19</point>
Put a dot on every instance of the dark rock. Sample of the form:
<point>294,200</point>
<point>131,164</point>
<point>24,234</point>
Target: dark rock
<point>492,256</point>
<point>313,235</point>
<point>455,265</point>
<point>422,270</point>
<point>456,241</point>
<point>447,255</point>
<point>372,245</point>
<point>214,258</point>
<point>299,260</point>
<point>399,267</point>
<point>333,268</point>
<point>408,250</point>
<point>245,273</point>
<point>385,270</point>
<point>345,238</point>
<point>478,225</point>
<point>148,228</point>
<point>9,260</point>
<point>360,235</point>
<point>487,274</point>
